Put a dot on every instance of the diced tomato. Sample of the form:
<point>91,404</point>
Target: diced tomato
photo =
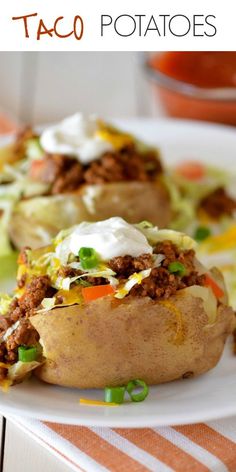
<point>20,259</point>
<point>37,168</point>
<point>92,293</point>
<point>191,170</point>
<point>209,282</point>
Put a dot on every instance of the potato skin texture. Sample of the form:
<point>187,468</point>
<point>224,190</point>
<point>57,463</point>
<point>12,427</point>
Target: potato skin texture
<point>109,342</point>
<point>135,202</point>
<point>36,221</point>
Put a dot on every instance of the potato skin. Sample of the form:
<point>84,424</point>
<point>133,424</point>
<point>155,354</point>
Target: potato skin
<point>36,221</point>
<point>134,201</point>
<point>109,342</point>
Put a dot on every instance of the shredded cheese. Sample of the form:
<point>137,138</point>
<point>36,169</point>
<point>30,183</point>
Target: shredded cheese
<point>220,242</point>
<point>5,384</point>
<point>86,401</point>
<point>6,366</point>
<point>116,138</point>
<point>171,307</point>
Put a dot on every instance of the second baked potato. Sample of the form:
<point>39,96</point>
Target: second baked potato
<point>79,169</point>
<point>36,221</point>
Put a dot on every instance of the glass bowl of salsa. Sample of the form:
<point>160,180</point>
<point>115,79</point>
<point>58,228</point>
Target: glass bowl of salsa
<point>195,85</point>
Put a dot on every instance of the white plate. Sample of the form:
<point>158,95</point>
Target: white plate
<point>208,397</point>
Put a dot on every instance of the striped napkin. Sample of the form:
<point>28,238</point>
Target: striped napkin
<point>190,448</point>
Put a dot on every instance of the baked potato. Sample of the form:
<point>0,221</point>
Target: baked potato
<point>106,343</point>
<point>109,302</point>
<point>36,221</point>
<point>80,169</point>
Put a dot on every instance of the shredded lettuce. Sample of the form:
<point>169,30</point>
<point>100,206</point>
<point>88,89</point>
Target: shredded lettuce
<point>5,245</point>
<point>185,195</point>
<point>144,225</point>
<point>8,270</point>
<point>20,370</point>
<point>155,235</point>
<point>196,190</point>
<point>9,331</point>
<point>48,303</point>
<point>62,235</point>
<point>65,283</point>
<point>34,149</point>
<point>183,208</point>
<point>220,250</point>
<point>133,279</point>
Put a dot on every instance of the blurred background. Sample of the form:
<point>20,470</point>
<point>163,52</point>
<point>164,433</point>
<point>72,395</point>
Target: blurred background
<point>43,87</point>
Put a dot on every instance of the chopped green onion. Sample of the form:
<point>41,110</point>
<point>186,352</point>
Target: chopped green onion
<point>88,257</point>
<point>201,233</point>
<point>27,354</point>
<point>177,268</point>
<point>140,396</point>
<point>114,394</point>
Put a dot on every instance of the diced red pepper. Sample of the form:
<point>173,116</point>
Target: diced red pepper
<point>209,282</point>
<point>98,291</point>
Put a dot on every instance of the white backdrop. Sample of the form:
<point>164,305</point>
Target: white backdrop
<point>44,86</point>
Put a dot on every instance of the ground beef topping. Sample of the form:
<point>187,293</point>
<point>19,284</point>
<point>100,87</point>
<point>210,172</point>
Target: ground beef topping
<point>162,284</point>
<point>126,165</point>
<point>127,265</point>
<point>218,204</point>
<point>20,310</point>
<point>36,290</point>
<point>173,254</point>
<point>66,174</point>
<point>67,271</point>
<point>25,335</point>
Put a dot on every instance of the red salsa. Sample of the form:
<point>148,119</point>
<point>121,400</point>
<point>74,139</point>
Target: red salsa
<point>203,69</point>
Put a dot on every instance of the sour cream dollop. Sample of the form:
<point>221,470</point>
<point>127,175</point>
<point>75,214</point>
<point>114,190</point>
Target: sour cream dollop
<point>75,136</point>
<point>110,238</point>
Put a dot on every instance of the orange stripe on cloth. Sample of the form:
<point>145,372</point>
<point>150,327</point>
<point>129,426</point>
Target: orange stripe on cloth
<point>162,449</point>
<point>97,448</point>
<point>213,442</point>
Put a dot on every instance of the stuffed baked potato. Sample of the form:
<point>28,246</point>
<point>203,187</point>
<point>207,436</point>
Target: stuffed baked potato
<point>142,338</point>
<point>80,169</point>
<point>36,221</point>
<point>109,302</point>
